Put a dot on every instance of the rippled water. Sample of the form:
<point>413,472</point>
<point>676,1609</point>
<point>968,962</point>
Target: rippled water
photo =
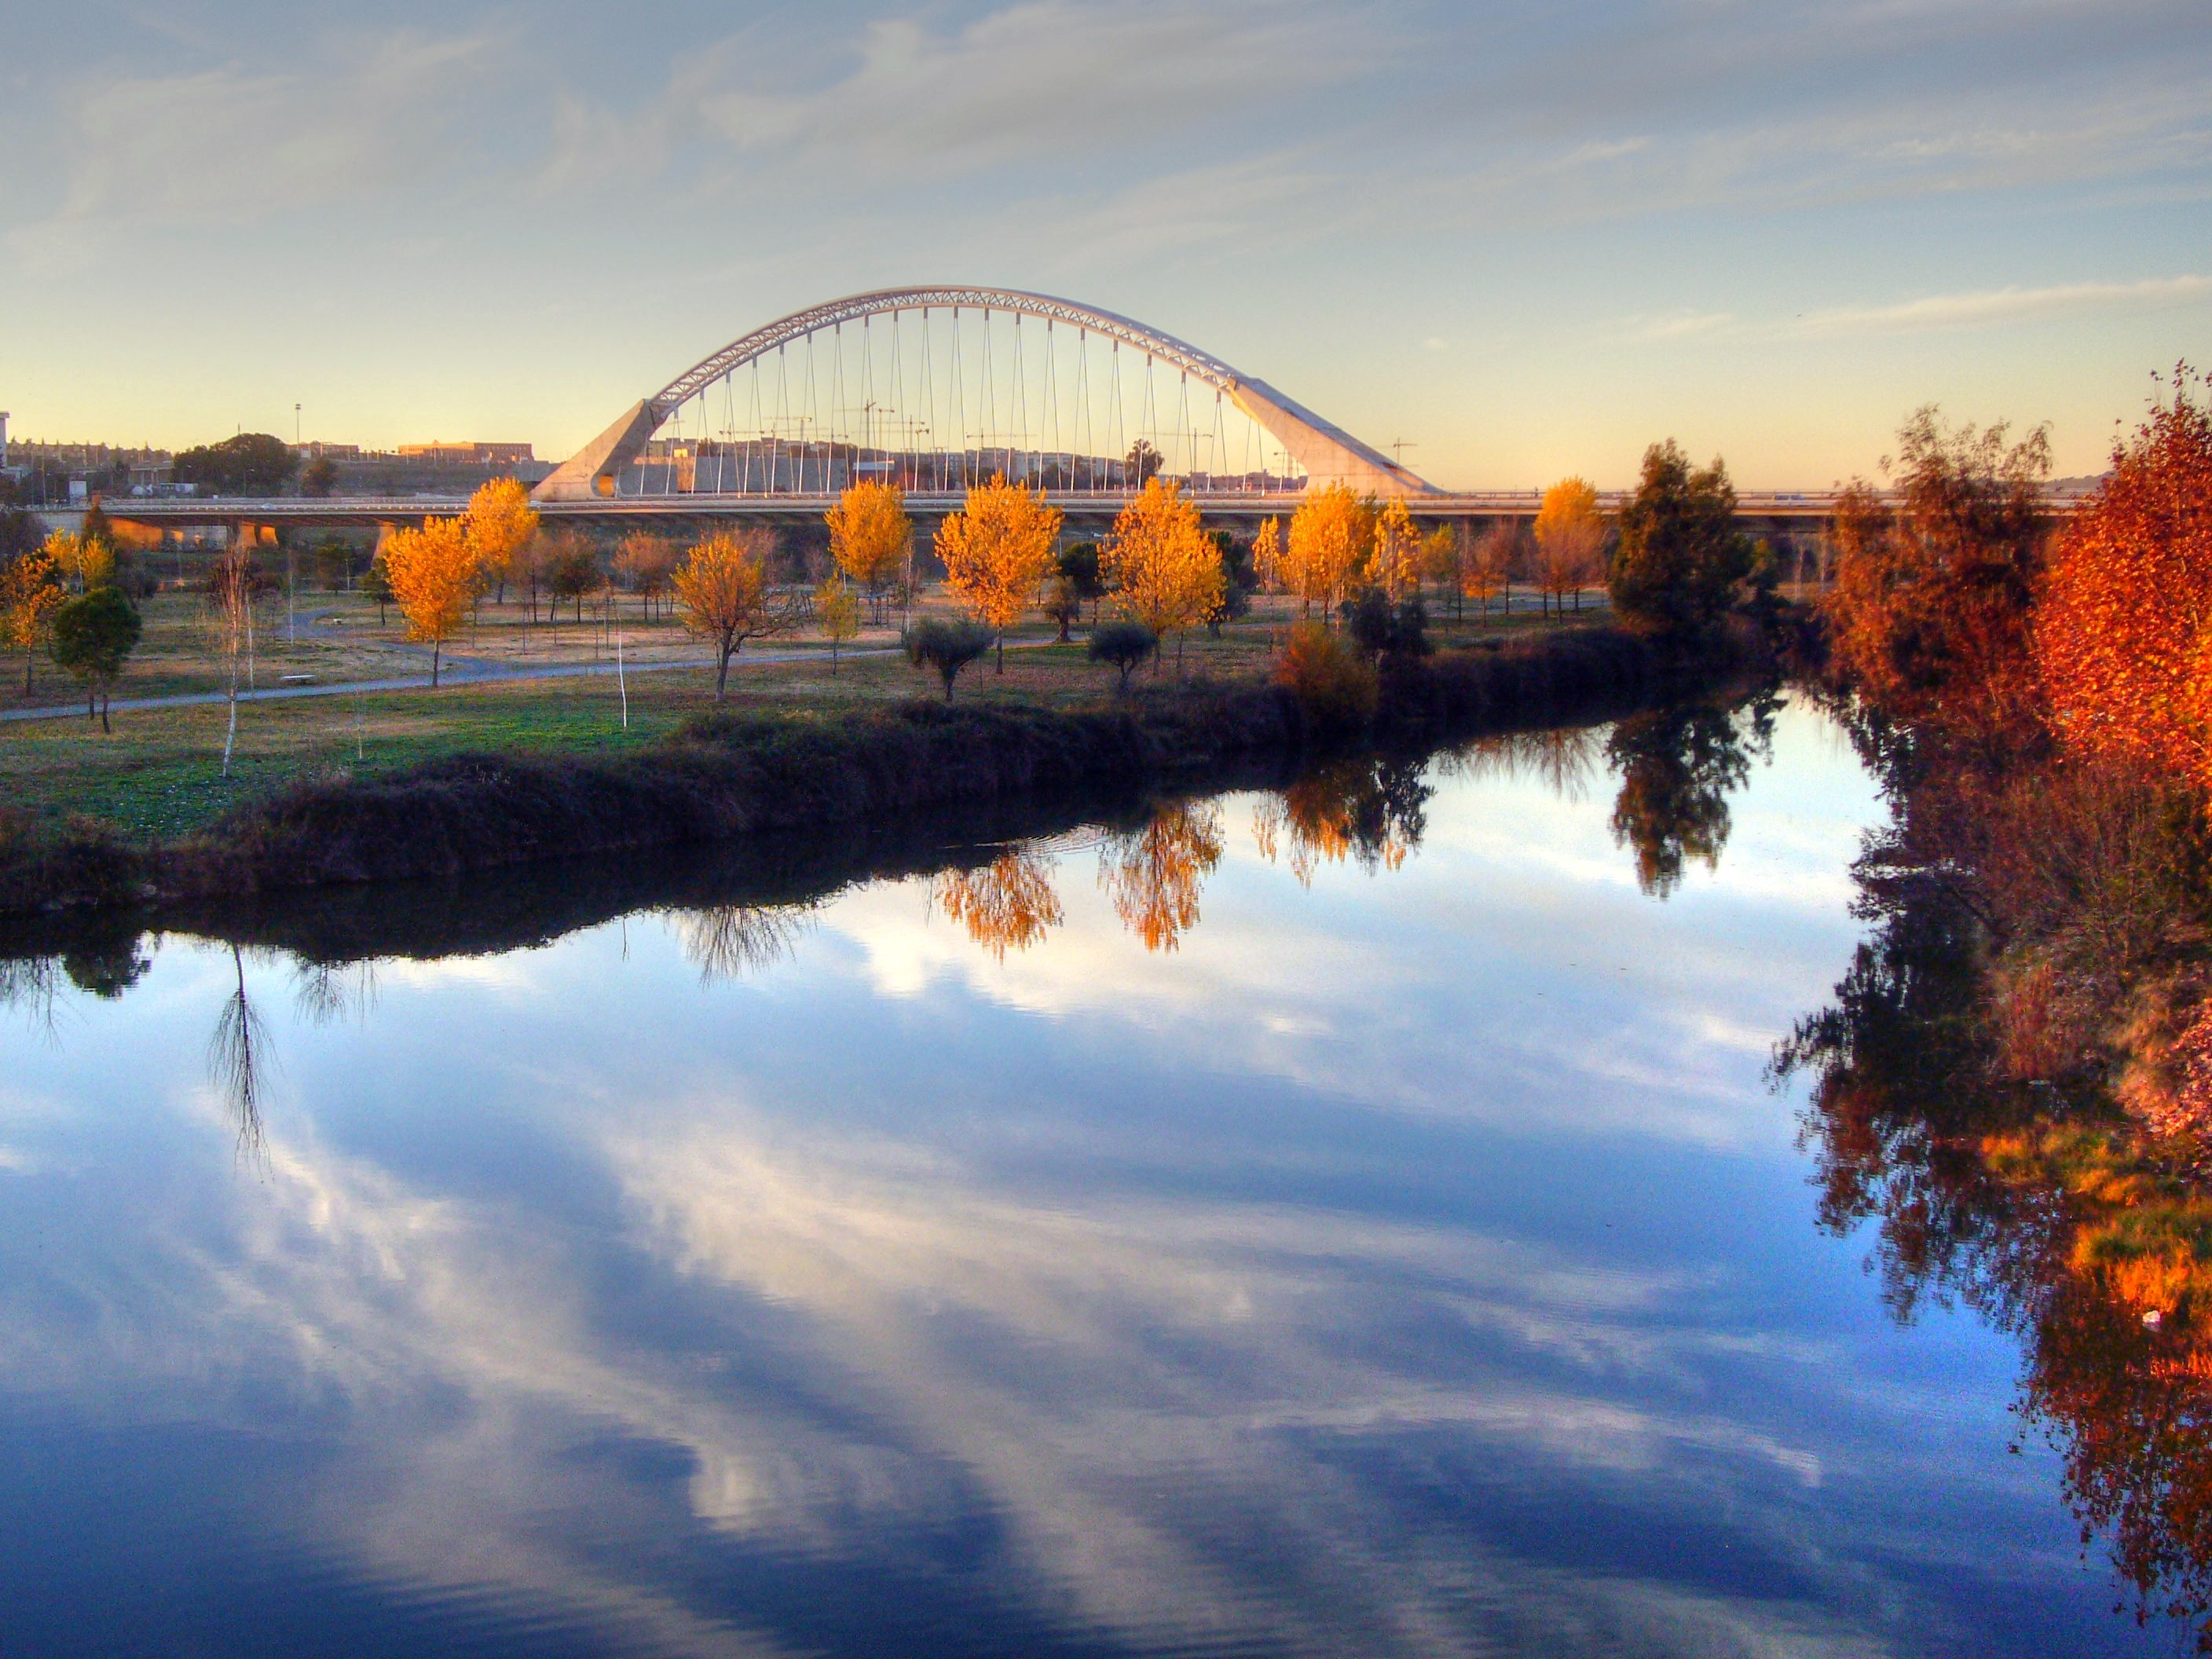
<point>1353,1222</point>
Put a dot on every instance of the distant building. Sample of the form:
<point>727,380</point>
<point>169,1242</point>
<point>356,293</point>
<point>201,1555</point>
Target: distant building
<point>438,453</point>
<point>318,450</point>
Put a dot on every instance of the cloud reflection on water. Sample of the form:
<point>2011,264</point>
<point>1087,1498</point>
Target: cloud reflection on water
<point>1234,1296</point>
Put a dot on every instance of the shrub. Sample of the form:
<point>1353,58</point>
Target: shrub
<point>1376,625</point>
<point>1124,644</point>
<point>1333,686</point>
<point>946,647</point>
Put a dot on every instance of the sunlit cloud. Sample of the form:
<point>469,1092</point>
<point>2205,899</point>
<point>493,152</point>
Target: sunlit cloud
<point>2004,305</point>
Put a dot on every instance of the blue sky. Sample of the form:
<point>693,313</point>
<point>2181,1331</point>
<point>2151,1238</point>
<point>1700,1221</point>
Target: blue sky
<point>1528,238</point>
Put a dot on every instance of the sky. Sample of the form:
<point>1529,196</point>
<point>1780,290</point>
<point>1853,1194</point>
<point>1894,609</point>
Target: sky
<point>1525,239</point>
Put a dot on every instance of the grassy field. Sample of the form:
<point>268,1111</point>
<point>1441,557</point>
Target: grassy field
<point>160,774</point>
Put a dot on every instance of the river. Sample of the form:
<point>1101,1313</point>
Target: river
<point>1357,1219</point>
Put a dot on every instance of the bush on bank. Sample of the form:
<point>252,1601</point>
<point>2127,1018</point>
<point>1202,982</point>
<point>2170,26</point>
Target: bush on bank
<point>729,775</point>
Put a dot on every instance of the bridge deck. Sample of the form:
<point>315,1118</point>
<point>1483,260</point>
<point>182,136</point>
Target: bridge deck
<point>357,512</point>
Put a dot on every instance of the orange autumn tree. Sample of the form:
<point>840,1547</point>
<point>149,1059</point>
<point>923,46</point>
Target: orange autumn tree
<point>723,590</point>
<point>499,524</point>
<point>2123,621</point>
<point>1332,535</point>
<point>1009,902</point>
<point>1162,567</point>
<point>1570,538</point>
<point>645,561</point>
<point>434,576</point>
<point>996,552</point>
<point>870,537</point>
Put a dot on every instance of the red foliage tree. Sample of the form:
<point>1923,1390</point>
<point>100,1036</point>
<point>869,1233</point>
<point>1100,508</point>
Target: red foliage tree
<point>2124,632</point>
<point>1930,613</point>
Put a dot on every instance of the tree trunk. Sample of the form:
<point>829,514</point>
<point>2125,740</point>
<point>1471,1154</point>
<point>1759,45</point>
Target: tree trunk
<point>722,670</point>
<point>29,658</point>
<point>433,663</point>
<point>105,728</point>
<point>1002,662</point>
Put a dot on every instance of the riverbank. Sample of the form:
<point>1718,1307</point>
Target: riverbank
<point>718,776</point>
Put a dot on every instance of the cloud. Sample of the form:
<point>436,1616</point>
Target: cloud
<point>227,146</point>
<point>1050,76</point>
<point>2002,305</point>
<point>1089,84</point>
<point>1977,308</point>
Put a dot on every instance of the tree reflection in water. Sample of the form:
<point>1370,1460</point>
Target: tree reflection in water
<point>1677,766</point>
<point>1008,902</point>
<point>237,1054</point>
<point>329,993</point>
<point>728,941</point>
<point>30,983</point>
<point>1563,759</point>
<point>1371,810</point>
<point>1153,874</point>
<point>2061,1222</point>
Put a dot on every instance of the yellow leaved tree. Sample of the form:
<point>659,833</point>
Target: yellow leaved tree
<point>997,552</point>
<point>1332,537</point>
<point>84,562</point>
<point>1397,563</point>
<point>836,613</point>
<point>500,525</point>
<point>30,593</point>
<point>1162,567</point>
<point>434,576</point>
<point>1267,557</point>
<point>1444,561</point>
<point>870,537</point>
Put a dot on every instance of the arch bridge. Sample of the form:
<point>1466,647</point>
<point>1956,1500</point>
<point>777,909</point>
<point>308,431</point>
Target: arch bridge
<point>935,388</point>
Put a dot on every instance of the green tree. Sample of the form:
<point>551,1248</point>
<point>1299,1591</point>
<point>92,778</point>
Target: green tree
<point>947,648</point>
<point>376,582</point>
<point>251,464</point>
<point>94,636</point>
<point>1063,605</point>
<point>320,478</point>
<point>1680,553</point>
<point>1124,645</point>
<point>1079,564</point>
<point>1237,581</point>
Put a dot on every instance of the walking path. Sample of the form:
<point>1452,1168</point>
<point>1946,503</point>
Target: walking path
<point>455,670</point>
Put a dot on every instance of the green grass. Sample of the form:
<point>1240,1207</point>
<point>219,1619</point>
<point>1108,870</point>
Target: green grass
<point>161,774</point>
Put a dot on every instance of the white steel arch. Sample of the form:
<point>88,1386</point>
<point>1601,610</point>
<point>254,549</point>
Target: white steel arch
<point>1330,454</point>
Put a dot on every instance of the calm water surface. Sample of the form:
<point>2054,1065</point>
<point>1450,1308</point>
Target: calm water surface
<point>1352,1222</point>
